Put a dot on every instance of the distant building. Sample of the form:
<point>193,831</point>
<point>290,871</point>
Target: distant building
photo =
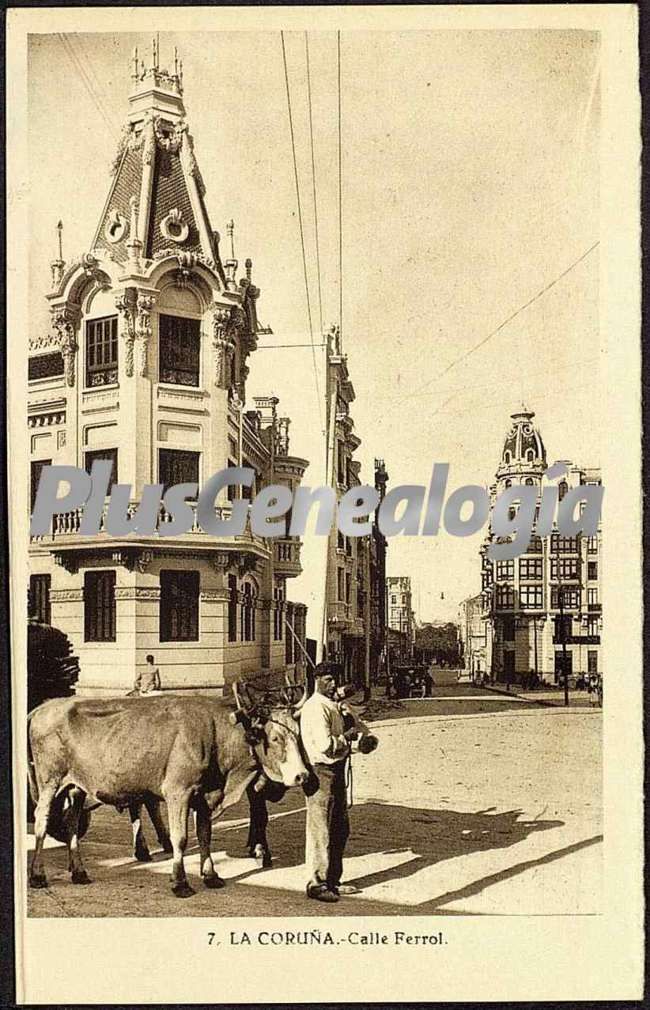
<point>546,603</point>
<point>400,615</point>
<point>473,633</point>
<point>145,366</point>
<point>348,562</point>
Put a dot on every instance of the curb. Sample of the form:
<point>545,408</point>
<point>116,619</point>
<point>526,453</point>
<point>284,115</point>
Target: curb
<point>410,720</point>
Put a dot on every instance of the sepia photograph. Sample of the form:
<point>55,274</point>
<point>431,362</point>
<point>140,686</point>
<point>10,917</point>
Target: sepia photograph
<point>311,475</point>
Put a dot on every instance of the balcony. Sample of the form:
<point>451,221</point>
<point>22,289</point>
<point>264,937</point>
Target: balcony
<point>286,557</point>
<point>595,608</point>
<point>65,534</point>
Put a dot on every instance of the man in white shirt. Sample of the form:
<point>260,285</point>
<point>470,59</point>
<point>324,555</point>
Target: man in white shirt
<point>327,745</point>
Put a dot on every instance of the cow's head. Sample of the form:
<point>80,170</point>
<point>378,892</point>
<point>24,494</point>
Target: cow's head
<point>274,736</point>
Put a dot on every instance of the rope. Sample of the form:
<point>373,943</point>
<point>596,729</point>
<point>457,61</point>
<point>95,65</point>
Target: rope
<point>349,782</point>
<point>300,223</point>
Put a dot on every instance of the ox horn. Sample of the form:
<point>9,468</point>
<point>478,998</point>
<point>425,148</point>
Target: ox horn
<point>240,714</point>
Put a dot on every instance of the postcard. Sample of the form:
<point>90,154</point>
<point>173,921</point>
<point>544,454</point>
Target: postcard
<point>324,418</point>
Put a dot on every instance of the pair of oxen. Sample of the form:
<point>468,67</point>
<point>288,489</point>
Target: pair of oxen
<point>197,753</point>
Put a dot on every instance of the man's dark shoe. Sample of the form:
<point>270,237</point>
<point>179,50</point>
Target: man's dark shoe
<point>321,892</point>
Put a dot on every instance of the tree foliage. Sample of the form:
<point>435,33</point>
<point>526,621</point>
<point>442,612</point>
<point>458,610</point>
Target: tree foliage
<point>438,643</point>
<point>52,670</point>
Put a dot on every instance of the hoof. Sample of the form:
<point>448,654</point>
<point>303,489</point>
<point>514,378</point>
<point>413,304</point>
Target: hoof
<point>38,880</point>
<point>143,856</point>
<point>80,877</point>
<point>267,860</point>
<point>182,890</point>
<point>214,881</point>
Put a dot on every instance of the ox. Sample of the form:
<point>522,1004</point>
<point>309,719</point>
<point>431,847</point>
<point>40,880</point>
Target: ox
<point>192,752</point>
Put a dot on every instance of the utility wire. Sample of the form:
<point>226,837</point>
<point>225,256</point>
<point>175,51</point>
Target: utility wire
<point>94,97</point>
<point>505,322</point>
<point>302,232</point>
<point>338,68</point>
<point>313,182</point>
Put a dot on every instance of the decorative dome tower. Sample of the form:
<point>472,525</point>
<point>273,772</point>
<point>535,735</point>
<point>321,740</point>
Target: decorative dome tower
<point>523,459</point>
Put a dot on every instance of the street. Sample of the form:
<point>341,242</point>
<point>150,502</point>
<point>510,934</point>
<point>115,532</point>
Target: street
<point>458,812</point>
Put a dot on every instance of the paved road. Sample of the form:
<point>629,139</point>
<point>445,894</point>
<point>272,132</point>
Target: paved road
<point>494,812</point>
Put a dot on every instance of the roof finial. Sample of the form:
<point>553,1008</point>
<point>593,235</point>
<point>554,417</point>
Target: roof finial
<point>57,266</point>
<point>230,227</point>
<point>176,61</point>
<point>134,74</point>
<point>154,53</point>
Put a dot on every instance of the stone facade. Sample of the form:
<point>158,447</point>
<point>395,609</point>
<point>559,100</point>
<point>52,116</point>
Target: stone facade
<point>401,618</point>
<point>545,603</point>
<point>146,365</point>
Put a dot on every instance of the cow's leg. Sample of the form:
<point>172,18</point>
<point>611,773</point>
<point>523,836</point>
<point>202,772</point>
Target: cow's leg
<point>153,809</point>
<point>140,847</point>
<point>77,798</point>
<point>178,807</point>
<point>258,846</point>
<point>46,796</point>
<point>204,834</point>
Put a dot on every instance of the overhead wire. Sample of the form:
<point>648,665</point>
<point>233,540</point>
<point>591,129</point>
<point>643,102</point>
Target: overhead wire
<point>301,227</point>
<point>493,333</point>
<point>94,96</point>
<point>340,167</point>
<point>313,182</point>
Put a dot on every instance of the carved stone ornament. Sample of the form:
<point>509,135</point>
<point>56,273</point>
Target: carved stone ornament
<point>143,561</point>
<point>64,324</point>
<point>66,595</point>
<point>67,560</point>
<point>143,329</point>
<point>169,137</point>
<point>188,160</point>
<point>135,308</point>
<point>223,345</point>
<point>246,563</point>
<point>125,303</point>
<point>174,228</point>
<point>222,560</point>
<point>116,227</point>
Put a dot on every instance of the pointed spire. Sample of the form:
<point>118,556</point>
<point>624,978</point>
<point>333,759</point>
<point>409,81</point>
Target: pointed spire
<point>57,266</point>
<point>134,245</point>
<point>230,266</point>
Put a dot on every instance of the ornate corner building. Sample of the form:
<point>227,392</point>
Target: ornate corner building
<point>543,609</point>
<point>145,365</point>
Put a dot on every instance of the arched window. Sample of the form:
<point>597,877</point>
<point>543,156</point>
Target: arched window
<point>530,455</point>
<point>508,483</point>
<point>529,482</point>
<point>562,489</point>
<point>248,612</point>
<point>507,457</point>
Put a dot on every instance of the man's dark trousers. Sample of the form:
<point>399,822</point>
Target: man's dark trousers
<point>328,826</point>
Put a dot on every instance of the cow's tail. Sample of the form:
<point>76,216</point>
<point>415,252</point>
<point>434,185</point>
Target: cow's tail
<point>56,821</point>
<point>31,770</point>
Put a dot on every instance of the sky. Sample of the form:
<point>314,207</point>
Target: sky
<point>469,185</point>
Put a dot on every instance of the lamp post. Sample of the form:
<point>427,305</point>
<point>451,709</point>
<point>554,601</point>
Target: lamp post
<point>565,672</point>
